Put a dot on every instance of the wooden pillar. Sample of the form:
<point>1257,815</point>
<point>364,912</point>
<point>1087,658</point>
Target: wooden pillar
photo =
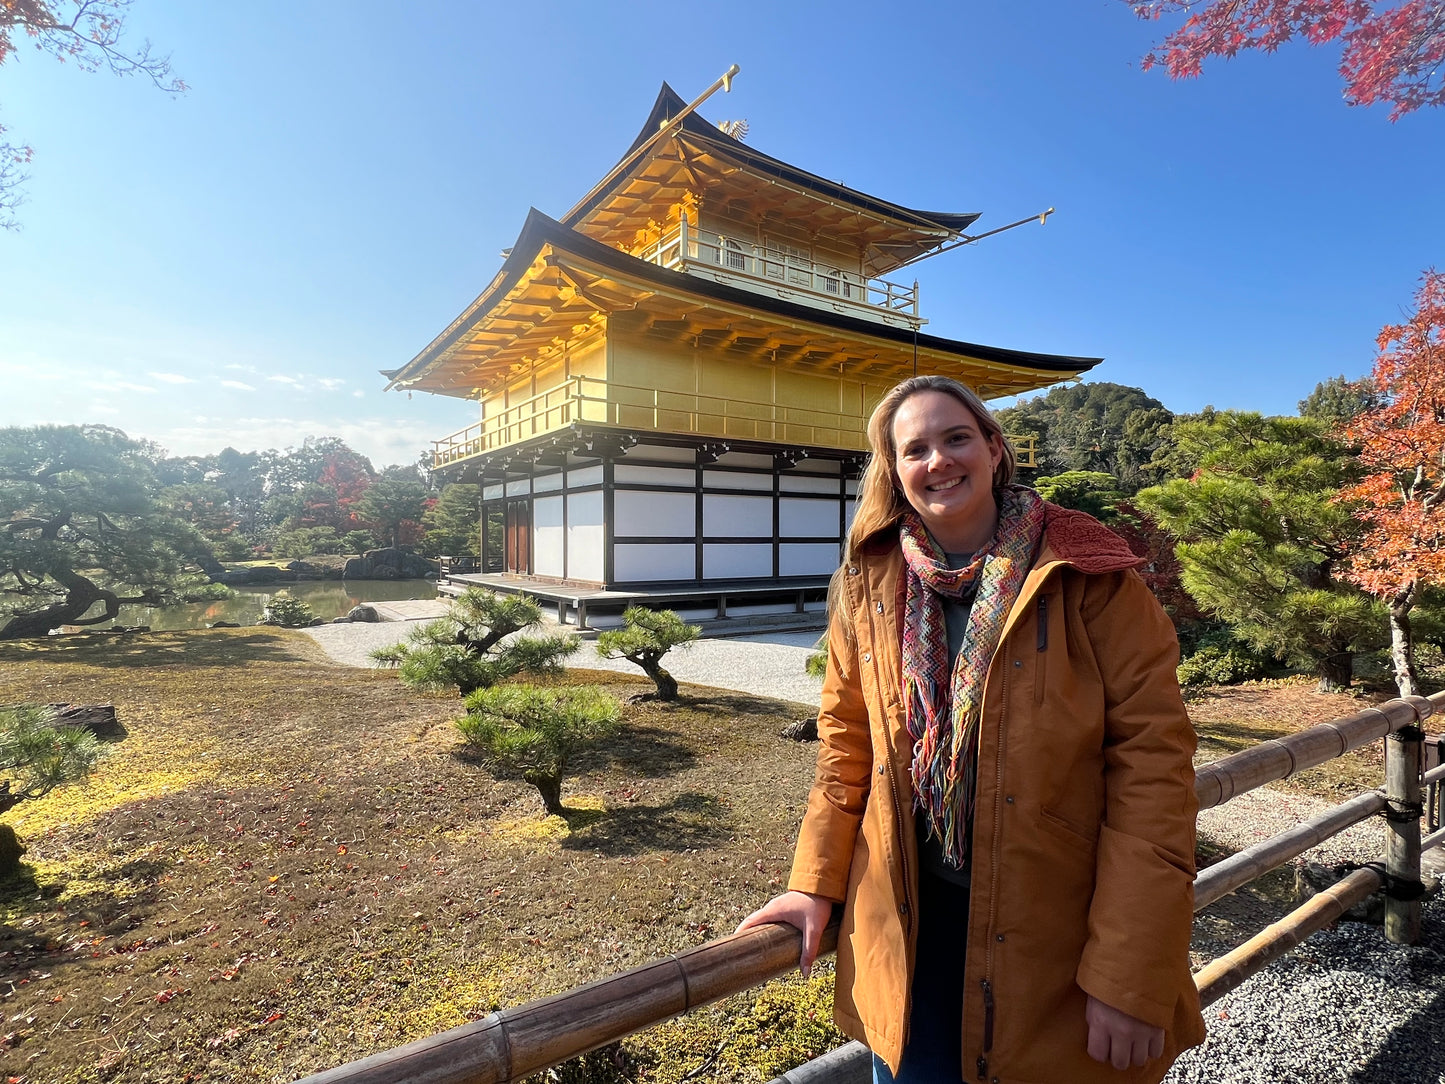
<point>1403,755</point>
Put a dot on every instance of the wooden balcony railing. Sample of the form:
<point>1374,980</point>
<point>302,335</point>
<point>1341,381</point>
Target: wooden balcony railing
<point>754,265</point>
<point>510,1044</point>
<point>586,399</point>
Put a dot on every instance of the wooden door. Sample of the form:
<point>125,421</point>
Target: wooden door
<point>519,537</point>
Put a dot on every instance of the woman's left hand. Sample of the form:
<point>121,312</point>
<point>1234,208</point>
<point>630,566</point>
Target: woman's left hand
<point>1118,1038</point>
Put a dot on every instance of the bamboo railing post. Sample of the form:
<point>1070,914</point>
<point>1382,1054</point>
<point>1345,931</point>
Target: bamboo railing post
<point>1404,751</point>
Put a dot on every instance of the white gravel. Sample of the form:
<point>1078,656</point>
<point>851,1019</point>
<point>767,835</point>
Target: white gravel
<point>765,664</point>
<point>1344,1007</point>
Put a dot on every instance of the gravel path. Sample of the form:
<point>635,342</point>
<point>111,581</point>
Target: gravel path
<point>766,664</point>
<point>1344,1008</point>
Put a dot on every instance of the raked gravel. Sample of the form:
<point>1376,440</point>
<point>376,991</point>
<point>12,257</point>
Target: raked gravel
<point>1344,1008</point>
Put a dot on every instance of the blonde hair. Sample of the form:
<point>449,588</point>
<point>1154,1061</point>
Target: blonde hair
<point>880,501</point>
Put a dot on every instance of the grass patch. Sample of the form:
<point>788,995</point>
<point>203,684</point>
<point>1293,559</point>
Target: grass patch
<point>288,864</point>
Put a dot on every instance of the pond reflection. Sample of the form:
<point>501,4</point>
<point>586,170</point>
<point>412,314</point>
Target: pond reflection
<point>327,599</point>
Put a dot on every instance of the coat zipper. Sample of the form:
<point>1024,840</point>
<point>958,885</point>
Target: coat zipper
<point>987,1029</point>
<point>988,1001</point>
<point>908,910</point>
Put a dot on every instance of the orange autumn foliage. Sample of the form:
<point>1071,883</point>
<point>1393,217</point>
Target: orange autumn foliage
<point>1402,447</point>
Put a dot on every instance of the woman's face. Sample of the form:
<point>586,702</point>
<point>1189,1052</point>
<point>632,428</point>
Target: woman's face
<point>945,466</point>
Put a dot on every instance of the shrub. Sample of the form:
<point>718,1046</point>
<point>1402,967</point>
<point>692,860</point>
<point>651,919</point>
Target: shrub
<point>1222,664</point>
<point>816,664</point>
<point>288,612</point>
<point>304,541</point>
<point>646,638</point>
<point>534,732</point>
<point>473,646</point>
<point>36,756</point>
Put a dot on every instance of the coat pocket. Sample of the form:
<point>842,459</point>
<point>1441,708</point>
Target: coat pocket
<point>1062,828</point>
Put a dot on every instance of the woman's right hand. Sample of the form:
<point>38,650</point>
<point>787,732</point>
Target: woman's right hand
<point>801,910</point>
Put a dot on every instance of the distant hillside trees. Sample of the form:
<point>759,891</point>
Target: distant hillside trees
<point>1264,539</point>
<point>1336,401</point>
<point>1102,427</point>
<point>83,530</point>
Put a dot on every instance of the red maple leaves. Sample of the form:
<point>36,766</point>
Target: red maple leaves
<point>1390,54</point>
<point>1402,446</point>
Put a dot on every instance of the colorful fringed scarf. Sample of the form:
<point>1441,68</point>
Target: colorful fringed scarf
<point>942,713</point>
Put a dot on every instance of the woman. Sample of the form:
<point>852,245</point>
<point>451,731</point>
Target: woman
<point>1004,802</point>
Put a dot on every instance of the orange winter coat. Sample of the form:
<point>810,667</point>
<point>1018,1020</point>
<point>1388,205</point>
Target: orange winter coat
<point>1083,837</point>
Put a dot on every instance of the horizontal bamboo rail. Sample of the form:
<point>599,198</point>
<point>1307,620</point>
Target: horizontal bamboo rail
<point>1220,976</point>
<point>512,1043</point>
<point>1217,783</point>
<point>1224,877</point>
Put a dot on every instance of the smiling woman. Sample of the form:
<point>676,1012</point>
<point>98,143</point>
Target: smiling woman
<point>990,656</point>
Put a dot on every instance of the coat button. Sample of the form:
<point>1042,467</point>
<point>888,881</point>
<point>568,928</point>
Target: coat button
<point>852,570</point>
<point>1000,937</point>
<point>878,606</point>
<point>867,657</point>
<point>1018,663</point>
<point>1009,799</point>
<point>903,909</point>
<point>880,769</point>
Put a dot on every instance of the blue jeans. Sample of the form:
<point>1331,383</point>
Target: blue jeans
<point>933,1051</point>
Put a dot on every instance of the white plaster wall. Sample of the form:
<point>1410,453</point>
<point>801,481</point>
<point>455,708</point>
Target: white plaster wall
<point>792,483</point>
<point>547,536</point>
<point>798,517</point>
<point>723,561</point>
<point>849,512</point>
<point>744,517</point>
<point>585,476</point>
<point>519,488</point>
<point>731,479</point>
<point>654,476</point>
<point>492,493</point>
<point>745,459</point>
<point>659,451</point>
<point>636,512</point>
<point>851,487</point>
<point>547,483</point>
<point>653,561</point>
<point>807,558</point>
<point>584,536</point>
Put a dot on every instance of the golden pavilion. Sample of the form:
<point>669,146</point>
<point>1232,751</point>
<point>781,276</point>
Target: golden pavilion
<point>675,376</point>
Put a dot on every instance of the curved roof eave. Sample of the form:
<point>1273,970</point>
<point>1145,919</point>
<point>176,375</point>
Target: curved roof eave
<point>669,104</point>
<point>540,229</point>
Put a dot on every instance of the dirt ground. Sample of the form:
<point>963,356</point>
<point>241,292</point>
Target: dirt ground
<point>288,864</point>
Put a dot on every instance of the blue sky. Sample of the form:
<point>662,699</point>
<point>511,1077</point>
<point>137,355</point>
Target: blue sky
<point>233,265</point>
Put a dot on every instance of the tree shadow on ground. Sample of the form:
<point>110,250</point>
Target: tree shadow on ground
<point>24,896</point>
<point>690,820</point>
<point>643,750</point>
<point>1236,736</point>
<point>127,650</point>
<point>743,704</point>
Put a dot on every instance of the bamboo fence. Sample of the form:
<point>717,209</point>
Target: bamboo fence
<point>513,1043</point>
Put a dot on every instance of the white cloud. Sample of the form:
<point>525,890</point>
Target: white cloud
<point>382,440</point>
<point>282,379</point>
<point>330,384</point>
<point>358,393</point>
<point>171,378</point>
<point>237,385</point>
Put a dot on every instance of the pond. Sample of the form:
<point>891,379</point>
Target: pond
<point>327,598</point>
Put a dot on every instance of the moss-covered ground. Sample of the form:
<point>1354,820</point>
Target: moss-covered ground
<point>287,864</point>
